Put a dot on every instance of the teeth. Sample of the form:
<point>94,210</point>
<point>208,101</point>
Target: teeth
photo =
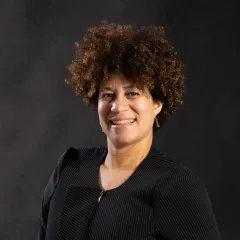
<point>123,121</point>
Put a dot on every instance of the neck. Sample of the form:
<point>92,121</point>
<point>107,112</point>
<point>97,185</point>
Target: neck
<point>127,157</point>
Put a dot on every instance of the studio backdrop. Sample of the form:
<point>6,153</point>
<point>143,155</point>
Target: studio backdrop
<point>41,116</point>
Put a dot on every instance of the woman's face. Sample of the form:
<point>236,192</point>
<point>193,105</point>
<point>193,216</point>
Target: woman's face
<point>126,114</point>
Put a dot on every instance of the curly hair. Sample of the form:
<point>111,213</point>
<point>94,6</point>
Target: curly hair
<point>143,56</point>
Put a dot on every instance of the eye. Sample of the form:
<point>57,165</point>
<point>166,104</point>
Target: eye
<point>132,94</point>
<point>107,96</point>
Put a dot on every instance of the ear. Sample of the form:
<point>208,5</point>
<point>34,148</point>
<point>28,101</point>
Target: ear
<point>157,107</point>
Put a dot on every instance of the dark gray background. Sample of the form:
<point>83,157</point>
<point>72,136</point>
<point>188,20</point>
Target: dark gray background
<point>41,116</point>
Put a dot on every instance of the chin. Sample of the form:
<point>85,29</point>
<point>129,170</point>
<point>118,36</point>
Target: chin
<point>124,140</point>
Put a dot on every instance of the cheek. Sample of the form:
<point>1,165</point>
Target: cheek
<point>142,107</point>
<point>102,110</point>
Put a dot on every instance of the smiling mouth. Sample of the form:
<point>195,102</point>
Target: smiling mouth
<point>123,122</point>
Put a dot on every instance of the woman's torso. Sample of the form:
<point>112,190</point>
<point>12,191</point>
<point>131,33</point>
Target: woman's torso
<point>124,211</point>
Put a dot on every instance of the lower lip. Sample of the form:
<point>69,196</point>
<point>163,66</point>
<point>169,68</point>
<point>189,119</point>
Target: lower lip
<point>123,125</point>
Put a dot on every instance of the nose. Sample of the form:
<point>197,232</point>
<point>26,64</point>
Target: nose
<point>119,104</point>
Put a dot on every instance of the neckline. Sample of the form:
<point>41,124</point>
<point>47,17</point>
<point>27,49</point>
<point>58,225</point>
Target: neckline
<point>141,166</point>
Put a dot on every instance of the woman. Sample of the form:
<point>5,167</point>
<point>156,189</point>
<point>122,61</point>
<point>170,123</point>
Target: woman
<point>129,190</point>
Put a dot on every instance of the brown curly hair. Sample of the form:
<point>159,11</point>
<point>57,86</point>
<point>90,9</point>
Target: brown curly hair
<point>143,56</point>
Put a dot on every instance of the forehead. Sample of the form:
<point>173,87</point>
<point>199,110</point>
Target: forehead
<point>116,81</point>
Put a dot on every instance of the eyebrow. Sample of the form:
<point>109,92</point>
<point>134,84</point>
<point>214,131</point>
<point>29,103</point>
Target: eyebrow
<point>125,87</point>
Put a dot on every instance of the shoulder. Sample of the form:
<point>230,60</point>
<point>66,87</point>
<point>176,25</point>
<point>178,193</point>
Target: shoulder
<point>173,169</point>
<point>68,158</point>
<point>181,200</point>
<point>166,168</point>
<point>184,186</point>
<point>174,177</point>
<point>72,154</point>
<point>92,152</point>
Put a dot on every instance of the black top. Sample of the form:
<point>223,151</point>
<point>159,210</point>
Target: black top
<point>162,199</point>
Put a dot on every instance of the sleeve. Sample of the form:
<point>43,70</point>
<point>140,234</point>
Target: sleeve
<point>182,208</point>
<point>48,193</point>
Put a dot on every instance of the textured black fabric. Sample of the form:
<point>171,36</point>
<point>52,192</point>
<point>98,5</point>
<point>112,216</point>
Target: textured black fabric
<point>162,199</point>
